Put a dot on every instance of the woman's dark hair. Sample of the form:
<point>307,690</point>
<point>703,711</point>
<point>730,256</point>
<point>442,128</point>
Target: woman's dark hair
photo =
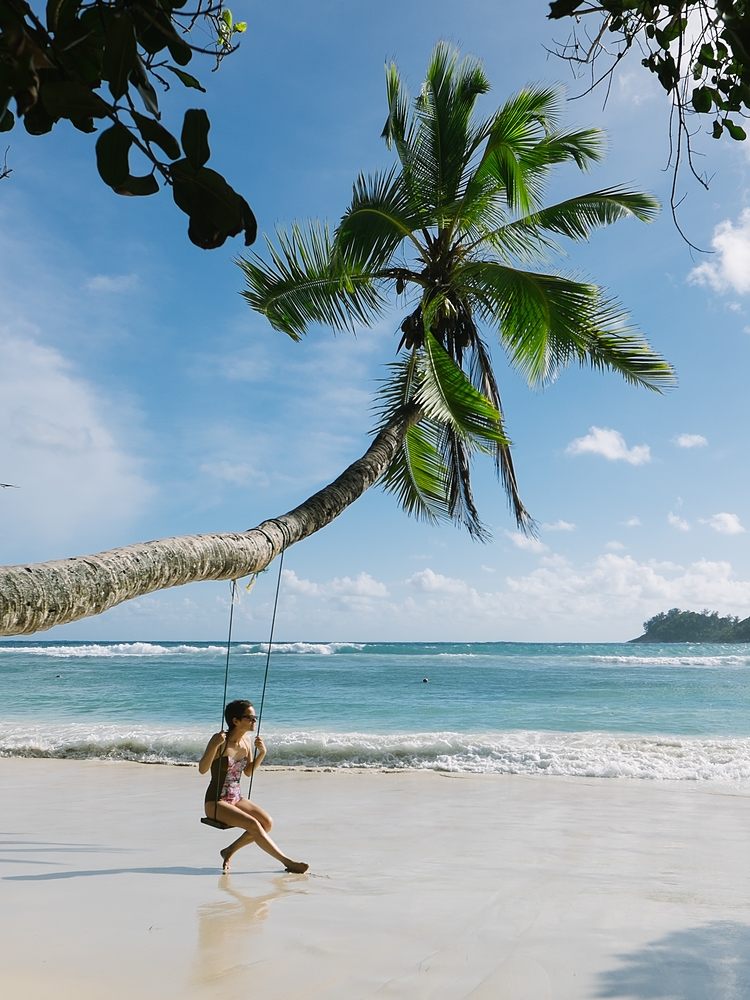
<point>235,710</point>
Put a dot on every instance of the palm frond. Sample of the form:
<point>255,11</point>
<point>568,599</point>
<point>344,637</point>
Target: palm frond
<point>456,457</point>
<point>417,475</point>
<point>546,321</point>
<point>509,138</point>
<point>483,378</point>
<point>577,217</point>
<point>447,396</point>
<point>380,217</point>
<point>523,142</point>
<point>583,146</point>
<point>444,135</point>
<point>396,128</point>
<point>305,282</point>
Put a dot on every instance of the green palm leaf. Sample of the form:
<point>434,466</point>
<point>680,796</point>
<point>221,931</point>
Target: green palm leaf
<point>305,282</point>
<point>379,218</point>
<point>444,134</point>
<point>577,217</point>
<point>447,396</point>
<point>547,321</point>
<point>521,144</point>
<point>417,476</point>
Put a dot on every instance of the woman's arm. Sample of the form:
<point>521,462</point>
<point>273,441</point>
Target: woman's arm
<point>209,754</point>
<point>261,753</point>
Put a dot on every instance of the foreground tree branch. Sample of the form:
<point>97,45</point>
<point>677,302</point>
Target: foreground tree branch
<point>37,597</point>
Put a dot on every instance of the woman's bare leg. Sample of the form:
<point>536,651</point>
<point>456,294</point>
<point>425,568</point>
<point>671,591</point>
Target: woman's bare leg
<point>254,833</point>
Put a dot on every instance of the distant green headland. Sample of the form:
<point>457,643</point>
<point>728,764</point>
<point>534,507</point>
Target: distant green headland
<point>694,626</point>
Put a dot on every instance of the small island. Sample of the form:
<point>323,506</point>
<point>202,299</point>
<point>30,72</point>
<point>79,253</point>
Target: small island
<point>694,626</point>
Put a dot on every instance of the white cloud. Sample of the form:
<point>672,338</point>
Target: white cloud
<point>678,522</point>
<point>526,543</point>
<point>77,483</point>
<point>488,569</point>
<point>610,444</point>
<point>607,598</point>
<point>112,282</point>
<point>347,591</point>
<point>435,583</point>
<point>241,474</point>
<point>559,526</point>
<point>726,524</point>
<point>690,441</point>
<point>614,546</point>
<point>615,584</point>
<point>731,269</point>
<point>632,522</point>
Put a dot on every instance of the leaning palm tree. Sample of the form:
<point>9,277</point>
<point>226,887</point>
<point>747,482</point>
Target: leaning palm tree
<point>457,231</point>
<point>453,230</point>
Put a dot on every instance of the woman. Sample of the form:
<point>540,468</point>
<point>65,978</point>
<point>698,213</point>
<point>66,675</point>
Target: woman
<point>229,755</point>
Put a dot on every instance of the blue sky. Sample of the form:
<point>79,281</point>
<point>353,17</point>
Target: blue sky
<point>141,398</point>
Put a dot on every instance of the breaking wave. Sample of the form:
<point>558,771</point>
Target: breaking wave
<point>590,755</point>
<point>730,660</point>
<point>319,648</point>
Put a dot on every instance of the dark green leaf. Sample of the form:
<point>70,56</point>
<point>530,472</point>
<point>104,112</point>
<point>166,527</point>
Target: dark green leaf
<point>563,8</point>
<point>7,121</point>
<point>119,53</point>
<point>84,125</point>
<point>186,78</point>
<point>69,99</point>
<point>249,223</point>
<point>736,132</point>
<point>717,130</point>
<point>139,185</point>
<point>152,26</point>
<point>706,57</point>
<point>180,52</point>
<point>60,12</point>
<point>154,132</point>
<point>206,191</point>
<point>195,137</point>
<point>204,233</point>
<point>702,99</point>
<point>112,148</point>
<point>37,121</point>
<point>142,84</point>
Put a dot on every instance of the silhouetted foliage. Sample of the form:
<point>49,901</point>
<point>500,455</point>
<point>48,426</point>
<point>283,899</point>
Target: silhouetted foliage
<point>698,49</point>
<point>55,66</point>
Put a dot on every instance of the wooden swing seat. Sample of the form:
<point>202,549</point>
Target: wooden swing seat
<point>215,823</point>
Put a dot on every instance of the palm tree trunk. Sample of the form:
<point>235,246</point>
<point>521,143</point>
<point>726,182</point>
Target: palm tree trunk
<point>37,597</point>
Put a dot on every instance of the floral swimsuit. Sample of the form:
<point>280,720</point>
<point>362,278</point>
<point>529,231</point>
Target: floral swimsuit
<point>230,790</point>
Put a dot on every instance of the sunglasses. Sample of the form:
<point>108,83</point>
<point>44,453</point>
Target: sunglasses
<point>249,718</point>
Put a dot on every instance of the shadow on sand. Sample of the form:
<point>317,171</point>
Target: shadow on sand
<point>173,870</point>
<point>711,962</point>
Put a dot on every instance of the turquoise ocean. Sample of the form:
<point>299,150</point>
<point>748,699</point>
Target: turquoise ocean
<point>610,710</point>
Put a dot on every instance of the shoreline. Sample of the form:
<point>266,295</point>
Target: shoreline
<point>424,885</point>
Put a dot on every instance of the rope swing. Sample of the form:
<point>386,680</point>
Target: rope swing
<point>216,823</point>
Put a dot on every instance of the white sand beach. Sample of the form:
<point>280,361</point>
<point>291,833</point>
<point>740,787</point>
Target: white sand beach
<point>423,886</point>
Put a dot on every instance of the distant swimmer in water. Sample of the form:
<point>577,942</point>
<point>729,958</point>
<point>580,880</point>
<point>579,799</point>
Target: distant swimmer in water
<point>229,756</point>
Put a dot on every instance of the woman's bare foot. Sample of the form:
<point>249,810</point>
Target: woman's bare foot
<point>226,855</point>
<point>298,867</point>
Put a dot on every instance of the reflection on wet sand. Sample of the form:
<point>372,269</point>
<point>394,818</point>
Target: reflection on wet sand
<point>224,926</point>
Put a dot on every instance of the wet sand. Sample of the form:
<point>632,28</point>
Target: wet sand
<point>423,886</point>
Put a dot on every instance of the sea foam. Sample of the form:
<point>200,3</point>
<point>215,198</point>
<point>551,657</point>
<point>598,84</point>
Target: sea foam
<point>111,650</point>
<point>590,755</point>
<point>730,660</point>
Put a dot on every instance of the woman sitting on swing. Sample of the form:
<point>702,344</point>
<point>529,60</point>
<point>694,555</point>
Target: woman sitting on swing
<point>229,755</point>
